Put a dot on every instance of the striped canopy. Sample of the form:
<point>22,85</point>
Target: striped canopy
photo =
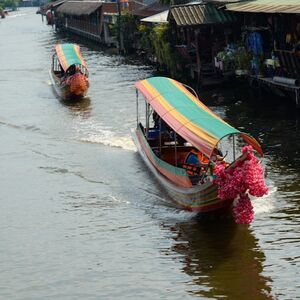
<point>187,116</point>
<point>69,54</point>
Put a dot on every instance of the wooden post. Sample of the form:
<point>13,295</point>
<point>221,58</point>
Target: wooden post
<point>199,79</point>
<point>159,135</point>
<point>147,117</point>
<point>137,108</point>
<point>233,142</point>
<point>119,26</point>
<point>175,143</point>
<point>297,98</point>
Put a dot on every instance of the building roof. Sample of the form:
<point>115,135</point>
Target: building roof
<point>57,3</point>
<point>79,8</point>
<point>161,17</point>
<point>150,10</point>
<point>199,14</point>
<point>267,6</point>
<point>51,5</point>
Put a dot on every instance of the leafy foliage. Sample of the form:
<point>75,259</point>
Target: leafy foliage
<point>9,3</point>
<point>126,26</point>
<point>161,39</point>
<point>157,41</point>
<point>144,37</point>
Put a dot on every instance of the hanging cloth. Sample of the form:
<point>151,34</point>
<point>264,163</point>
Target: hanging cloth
<point>255,43</point>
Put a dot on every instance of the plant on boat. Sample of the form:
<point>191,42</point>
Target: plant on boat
<point>247,178</point>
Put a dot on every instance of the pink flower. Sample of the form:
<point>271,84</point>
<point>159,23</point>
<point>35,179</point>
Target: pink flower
<point>246,177</point>
<point>243,211</point>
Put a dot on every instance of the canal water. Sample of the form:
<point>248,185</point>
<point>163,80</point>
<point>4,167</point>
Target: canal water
<point>82,218</point>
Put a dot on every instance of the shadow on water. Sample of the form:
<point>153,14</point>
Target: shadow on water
<point>222,259</point>
<point>82,106</point>
<point>272,120</point>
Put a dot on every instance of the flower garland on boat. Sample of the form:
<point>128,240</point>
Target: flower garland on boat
<point>247,177</point>
<point>78,83</point>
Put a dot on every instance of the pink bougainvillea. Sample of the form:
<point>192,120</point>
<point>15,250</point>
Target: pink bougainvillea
<point>235,183</point>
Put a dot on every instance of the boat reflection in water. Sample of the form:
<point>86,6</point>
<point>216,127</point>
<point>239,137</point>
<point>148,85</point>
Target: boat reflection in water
<point>223,261</point>
<point>82,108</point>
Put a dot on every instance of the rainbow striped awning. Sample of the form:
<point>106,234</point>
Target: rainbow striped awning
<point>188,116</point>
<point>69,54</point>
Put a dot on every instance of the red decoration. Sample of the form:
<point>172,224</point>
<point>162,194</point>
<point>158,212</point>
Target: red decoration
<point>235,183</point>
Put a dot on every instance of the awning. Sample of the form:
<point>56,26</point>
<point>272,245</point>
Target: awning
<point>199,14</point>
<point>267,6</point>
<point>158,18</point>
<point>187,116</point>
<point>69,54</point>
<point>79,8</point>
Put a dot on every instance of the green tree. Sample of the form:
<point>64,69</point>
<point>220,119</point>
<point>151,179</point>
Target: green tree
<point>9,3</point>
<point>162,40</point>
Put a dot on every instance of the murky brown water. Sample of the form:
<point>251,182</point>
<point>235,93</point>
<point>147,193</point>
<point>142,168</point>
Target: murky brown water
<point>80,215</point>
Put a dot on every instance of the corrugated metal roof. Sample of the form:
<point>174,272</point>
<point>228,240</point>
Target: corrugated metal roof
<point>199,14</point>
<point>79,8</point>
<point>267,6</point>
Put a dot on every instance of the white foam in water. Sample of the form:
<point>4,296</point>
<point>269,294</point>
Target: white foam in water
<point>16,15</point>
<point>93,132</point>
<point>109,138</point>
<point>115,199</point>
<point>267,202</point>
<point>173,214</point>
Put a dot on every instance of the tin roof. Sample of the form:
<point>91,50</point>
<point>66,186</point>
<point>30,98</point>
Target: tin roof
<point>267,6</point>
<point>199,14</point>
<point>79,8</point>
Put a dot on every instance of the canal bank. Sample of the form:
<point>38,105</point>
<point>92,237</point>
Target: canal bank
<point>207,43</point>
<point>75,220</point>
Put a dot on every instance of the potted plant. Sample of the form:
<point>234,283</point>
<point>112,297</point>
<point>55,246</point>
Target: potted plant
<point>242,62</point>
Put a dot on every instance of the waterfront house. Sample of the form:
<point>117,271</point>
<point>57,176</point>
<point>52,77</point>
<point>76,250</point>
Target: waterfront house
<point>202,29</point>
<point>83,18</point>
<point>275,26</point>
<point>91,19</point>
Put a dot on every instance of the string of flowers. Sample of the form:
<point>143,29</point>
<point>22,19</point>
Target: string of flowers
<point>247,177</point>
<point>78,83</point>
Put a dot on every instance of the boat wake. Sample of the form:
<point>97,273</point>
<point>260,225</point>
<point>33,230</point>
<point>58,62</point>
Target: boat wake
<point>10,16</point>
<point>109,138</point>
<point>266,203</point>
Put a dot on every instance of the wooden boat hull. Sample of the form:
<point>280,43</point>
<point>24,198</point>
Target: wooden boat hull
<point>199,198</point>
<point>63,90</point>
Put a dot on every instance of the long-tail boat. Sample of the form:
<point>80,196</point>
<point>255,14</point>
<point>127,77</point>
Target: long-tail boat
<point>180,141</point>
<point>69,73</point>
